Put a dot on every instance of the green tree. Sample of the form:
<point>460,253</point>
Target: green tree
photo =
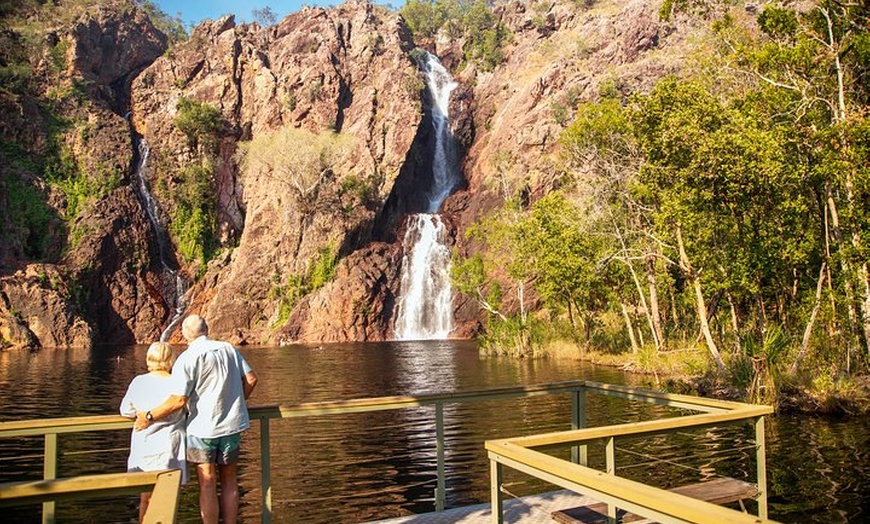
<point>810,72</point>
<point>264,16</point>
<point>422,18</point>
<point>565,260</point>
<point>200,122</point>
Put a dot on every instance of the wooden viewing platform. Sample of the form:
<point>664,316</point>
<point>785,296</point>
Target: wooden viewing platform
<point>567,507</point>
<point>603,493</point>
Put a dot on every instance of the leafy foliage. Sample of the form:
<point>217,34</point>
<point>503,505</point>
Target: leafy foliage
<point>300,160</point>
<point>321,271</point>
<point>171,26</point>
<point>200,122</point>
<point>194,222</point>
<point>473,20</point>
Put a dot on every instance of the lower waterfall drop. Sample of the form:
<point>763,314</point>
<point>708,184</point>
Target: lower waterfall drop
<point>425,309</point>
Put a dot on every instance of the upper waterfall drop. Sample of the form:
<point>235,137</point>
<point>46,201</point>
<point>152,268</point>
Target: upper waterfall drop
<point>424,310</point>
<point>445,164</point>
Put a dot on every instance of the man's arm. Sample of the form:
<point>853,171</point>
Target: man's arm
<point>248,383</point>
<point>169,406</point>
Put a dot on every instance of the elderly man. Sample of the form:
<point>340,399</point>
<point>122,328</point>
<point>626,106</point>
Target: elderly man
<point>218,382</point>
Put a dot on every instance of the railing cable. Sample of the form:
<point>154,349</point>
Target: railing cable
<point>656,460</point>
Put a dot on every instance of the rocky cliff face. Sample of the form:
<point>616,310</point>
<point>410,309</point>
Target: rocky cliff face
<point>95,286</point>
<point>346,70</point>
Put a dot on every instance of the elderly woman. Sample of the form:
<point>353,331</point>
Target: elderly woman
<point>162,444</point>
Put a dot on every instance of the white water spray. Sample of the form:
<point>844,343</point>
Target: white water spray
<point>425,305</point>
<point>425,309</point>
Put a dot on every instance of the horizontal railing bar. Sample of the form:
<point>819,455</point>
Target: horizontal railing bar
<point>114,422</point>
<point>25,428</point>
<point>660,397</point>
<point>362,405</point>
<point>585,435</point>
<point>73,488</point>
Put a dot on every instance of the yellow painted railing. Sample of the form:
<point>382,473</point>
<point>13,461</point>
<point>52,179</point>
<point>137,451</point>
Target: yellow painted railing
<point>164,485</point>
<point>524,454</point>
<point>52,428</point>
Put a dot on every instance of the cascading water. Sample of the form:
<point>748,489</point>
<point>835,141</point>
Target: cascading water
<point>445,167</point>
<point>175,285</point>
<point>425,305</point>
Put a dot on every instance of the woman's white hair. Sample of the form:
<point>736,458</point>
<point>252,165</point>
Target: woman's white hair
<point>159,357</point>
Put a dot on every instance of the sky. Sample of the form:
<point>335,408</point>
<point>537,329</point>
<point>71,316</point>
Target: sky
<point>195,11</point>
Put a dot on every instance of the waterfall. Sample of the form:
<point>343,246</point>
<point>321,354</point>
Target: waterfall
<point>152,210</point>
<point>425,302</point>
<point>174,283</point>
<point>445,167</point>
<point>425,309</point>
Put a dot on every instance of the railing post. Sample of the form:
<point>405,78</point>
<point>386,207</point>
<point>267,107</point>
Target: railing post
<point>49,471</point>
<point>761,465</point>
<point>495,496</point>
<point>441,486</point>
<point>578,420</point>
<point>265,471</point>
<point>610,452</point>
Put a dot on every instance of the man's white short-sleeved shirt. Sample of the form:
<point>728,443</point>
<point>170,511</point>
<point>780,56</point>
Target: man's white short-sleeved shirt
<point>212,372</point>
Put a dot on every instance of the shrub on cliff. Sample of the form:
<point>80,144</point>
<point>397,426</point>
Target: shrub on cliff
<point>299,160</point>
<point>200,122</point>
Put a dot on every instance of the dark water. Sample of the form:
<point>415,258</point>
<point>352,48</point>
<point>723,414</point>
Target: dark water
<point>355,468</point>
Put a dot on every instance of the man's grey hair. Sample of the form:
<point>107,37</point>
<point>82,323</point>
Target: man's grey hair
<point>193,327</point>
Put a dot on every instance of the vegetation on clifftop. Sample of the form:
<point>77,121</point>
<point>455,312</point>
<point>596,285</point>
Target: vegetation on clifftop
<point>470,20</point>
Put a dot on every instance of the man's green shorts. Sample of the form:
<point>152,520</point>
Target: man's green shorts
<point>220,450</point>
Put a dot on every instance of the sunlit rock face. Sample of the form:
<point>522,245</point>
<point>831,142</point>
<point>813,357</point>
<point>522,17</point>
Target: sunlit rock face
<point>343,69</point>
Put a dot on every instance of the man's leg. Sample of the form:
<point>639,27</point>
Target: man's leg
<point>229,492</point>
<point>208,498</point>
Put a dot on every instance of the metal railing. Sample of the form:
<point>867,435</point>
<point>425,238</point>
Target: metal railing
<point>661,505</point>
<point>51,428</point>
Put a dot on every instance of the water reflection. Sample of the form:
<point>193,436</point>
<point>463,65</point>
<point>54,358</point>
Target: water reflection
<point>359,467</point>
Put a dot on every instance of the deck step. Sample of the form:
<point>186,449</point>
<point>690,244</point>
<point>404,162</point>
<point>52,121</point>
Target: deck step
<point>718,491</point>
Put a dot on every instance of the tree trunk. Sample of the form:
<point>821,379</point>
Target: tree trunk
<point>863,272</point>
<point>628,326</point>
<point>844,265</point>
<point>735,323</point>
<point>654,303</point>
<point>809,329</point>
<point>699,302</point>
<point>639,287</point>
